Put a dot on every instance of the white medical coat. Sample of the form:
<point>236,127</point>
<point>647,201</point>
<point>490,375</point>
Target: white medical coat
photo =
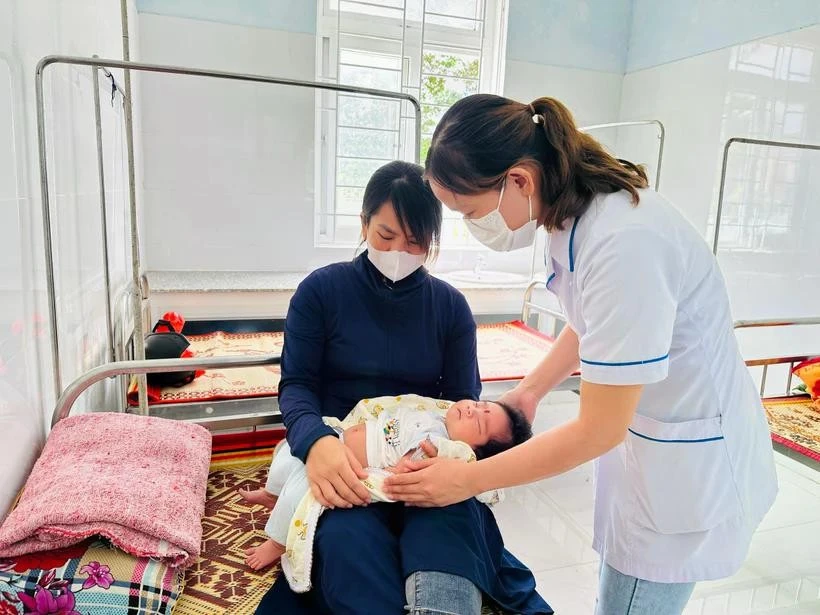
<point>679,499</point>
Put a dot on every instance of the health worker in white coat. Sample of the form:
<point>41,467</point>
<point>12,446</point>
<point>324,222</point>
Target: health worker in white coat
<point>684,468</point>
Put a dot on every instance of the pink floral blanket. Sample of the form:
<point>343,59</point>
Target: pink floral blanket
<point>138,481</point>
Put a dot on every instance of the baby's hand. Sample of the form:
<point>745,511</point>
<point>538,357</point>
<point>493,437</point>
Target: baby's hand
<point>401,467</point>
<point>425,449</point>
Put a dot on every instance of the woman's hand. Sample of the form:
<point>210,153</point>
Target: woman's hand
<point>523,400</point>
<point>335,475</point>
<point>561,361</point>
<point>432,482</point>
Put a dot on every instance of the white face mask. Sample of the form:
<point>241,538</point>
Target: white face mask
<point>395,265</point>
<point>493,232</point>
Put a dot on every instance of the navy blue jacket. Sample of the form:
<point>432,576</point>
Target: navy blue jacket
<point>350,334</point>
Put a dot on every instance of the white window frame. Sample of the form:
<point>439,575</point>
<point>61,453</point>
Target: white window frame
<point>493,60</point>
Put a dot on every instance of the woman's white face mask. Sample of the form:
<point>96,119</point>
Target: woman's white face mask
<point>493,232</point>
<point>395,265</point>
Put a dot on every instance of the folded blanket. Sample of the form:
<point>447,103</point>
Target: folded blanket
<point>298,558</point>
<point>138,481</point>
<point>89,578</point>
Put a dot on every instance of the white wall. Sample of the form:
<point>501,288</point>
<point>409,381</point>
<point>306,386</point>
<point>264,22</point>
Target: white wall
<point>243,154</point>
<point>29,30</point>
<point>526,81</point>
<point>661,32</point>
<point>593,96</point>
<point>767,89</point>
<point>228,165</point>
<point>573,51</point>
<point>679,94</point>
<point>227,153</point>
<point>590,35</point>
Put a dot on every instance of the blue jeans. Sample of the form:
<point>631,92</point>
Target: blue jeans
<point>440,593</point>
<point>619,594</point>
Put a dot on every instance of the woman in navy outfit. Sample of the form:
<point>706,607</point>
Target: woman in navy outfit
<point>382,325</point>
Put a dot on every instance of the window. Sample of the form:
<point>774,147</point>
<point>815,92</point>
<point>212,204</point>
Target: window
<point>766,194</point>
<point>787,62</point>
<point>436,50</point>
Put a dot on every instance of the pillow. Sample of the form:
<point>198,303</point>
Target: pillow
<point>809,373</point>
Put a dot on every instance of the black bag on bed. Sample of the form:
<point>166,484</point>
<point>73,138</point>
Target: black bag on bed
<point>167,344</point>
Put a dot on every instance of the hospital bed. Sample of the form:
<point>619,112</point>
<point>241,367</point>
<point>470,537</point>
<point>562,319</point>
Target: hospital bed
<point>242,460</point>
<point>219,581</point>
<point>230,414</point>
<point>249,454</point>
<point>246,411</point>
<point>218,415</point>
<point>793,418</point>
<point>507,350</point>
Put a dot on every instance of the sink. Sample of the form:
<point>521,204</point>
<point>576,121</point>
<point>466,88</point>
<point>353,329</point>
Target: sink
<point>490,278</point>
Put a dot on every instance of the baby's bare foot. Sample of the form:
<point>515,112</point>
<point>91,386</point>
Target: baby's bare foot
<point>263,555</point>
<point>258,496</point>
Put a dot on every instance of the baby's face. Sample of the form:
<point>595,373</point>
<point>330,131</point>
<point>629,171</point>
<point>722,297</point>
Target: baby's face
<point>477,422</point>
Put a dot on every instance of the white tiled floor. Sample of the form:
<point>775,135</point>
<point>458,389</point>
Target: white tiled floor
<point>548,525</point>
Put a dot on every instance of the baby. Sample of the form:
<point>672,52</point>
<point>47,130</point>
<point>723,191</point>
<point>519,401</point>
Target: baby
<point>389,431</point>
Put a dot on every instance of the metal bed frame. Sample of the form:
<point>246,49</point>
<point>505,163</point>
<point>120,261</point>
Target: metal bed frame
<point>228,413</point>
<point>154,366</point>
<point>136,287</point>
<point>573,383</point>
<point>777,322</point>
<point>661,145</point>
<point>247,412</point>
<point>791,360</point>
<point>725,164</point>
<point>661,138</point>
<point>221,421</point>
<point>233,412</point>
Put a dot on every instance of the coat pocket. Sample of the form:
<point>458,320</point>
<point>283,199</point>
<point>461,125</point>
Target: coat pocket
<point>680,475</point>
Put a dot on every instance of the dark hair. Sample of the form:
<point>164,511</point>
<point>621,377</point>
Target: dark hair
<point>520,430</point>
<point>419,212</point>
<point>482,136</point>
